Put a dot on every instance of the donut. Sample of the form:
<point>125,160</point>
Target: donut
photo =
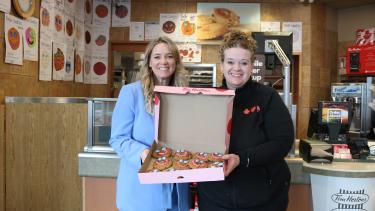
<point>87,37</point>
<point>30,37</point>
<point>211,31</point>
<point>196,163</point>
<point>162,163</point>
<point>14,38</point>
<point>58,60</point>
<point>121,11</point>
<point>187,28</point>
<point>182,154</point>
<point>58,23</point>
<point>45,17</point>
<point>77,64</point>
<point>162,152</point>
<point>201,156</point>
<point>100,40</point>
<point>181,164</point>
<point>215,157</point>
<point>204,20</point>
<point>216,164</point>
<point>101,11</point>
<point>69,28</point>
<point>88,6</point>
<point>169,27</point>
<point>226,16</point>
<point>99,68</point>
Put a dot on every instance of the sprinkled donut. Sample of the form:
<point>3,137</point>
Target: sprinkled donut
<point>201,156</point>
<point>181,164</point>
<point>162,163</point>
<point>215,157</point>
<point>162,152</point>
<point>182,154</point>
<point>196,163</point>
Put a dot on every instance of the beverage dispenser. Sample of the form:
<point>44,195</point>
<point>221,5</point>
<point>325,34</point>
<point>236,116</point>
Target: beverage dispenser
<point>356,93</point>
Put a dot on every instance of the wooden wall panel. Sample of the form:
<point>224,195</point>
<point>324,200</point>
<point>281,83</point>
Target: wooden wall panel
<point>300,198</point>
<point>2,158</point>
<point>42,143</point>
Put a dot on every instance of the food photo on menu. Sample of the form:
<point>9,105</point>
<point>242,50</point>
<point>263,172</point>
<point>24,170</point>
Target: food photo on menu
<point>214,20</point>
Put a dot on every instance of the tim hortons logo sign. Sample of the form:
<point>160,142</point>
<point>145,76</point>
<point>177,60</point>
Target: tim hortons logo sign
<point>350,200</point>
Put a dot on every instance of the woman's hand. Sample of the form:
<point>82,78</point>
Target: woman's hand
<point>144,155</point>
<point>231,162</point>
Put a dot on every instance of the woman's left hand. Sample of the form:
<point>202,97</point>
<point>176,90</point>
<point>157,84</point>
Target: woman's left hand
<point>231,162</point>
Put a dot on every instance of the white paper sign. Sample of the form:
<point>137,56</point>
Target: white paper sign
<point>296,28</point>
<point>78,65</point>
<point>59,57</point>
<point>99,70</point>
<point>59,21</point>
<point>45,60</point>
<point>121,12</point>
<point>30,38</point>
<point>102,13</point>
<point>187,27</point>
<point>169,25</point>
<point>100,37</point>
<point>69,63</point>
<point>152,30</point>
<point>137,31</point>
<point>266,26</point>
<point>190,52</point>
<point>13,28</point>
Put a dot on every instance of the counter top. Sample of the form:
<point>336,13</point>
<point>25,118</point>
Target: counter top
<point>353,169</point>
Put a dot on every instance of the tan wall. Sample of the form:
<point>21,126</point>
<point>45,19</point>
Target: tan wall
<point>349,20</point>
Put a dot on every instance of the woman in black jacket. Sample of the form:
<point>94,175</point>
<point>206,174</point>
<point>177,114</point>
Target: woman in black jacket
<point>262,133</point>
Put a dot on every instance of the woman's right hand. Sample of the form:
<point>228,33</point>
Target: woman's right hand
<point>144,155</point>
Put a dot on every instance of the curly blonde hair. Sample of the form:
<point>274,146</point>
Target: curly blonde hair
<point>147,76</point>
<point>238,39</point>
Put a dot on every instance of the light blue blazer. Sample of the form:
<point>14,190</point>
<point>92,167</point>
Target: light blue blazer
<point>132,132</point>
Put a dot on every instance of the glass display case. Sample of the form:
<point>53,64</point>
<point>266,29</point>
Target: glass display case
<point>201,75</point>
<point>99,124</point>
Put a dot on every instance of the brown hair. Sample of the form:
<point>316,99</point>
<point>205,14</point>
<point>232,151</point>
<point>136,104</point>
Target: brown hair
<point>238,39</point>
<point>147,76</point>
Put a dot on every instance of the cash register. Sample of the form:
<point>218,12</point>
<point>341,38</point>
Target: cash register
<point>329,126</point>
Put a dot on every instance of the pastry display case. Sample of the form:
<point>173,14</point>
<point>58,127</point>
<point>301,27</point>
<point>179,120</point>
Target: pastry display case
<point>201,75</point>
<point>99,124</point>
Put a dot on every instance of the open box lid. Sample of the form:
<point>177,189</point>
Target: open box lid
<point>195,119</point>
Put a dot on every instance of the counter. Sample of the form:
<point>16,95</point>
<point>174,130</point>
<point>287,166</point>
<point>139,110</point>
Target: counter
<point>352,168</point>
<point>346,185</point>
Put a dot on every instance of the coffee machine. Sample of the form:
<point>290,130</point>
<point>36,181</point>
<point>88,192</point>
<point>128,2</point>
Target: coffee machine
<point>358,94</point>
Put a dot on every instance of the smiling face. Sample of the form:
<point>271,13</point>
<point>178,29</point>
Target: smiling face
<point>162,63</point>
<point>237,67</point>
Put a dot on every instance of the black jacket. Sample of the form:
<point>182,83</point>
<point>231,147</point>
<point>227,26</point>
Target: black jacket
<point>262,134</point>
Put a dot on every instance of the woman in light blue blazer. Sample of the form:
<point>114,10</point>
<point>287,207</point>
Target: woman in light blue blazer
<point>132,132</point>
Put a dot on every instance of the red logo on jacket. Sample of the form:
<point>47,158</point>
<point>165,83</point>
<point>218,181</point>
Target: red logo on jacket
<point>248,111</point>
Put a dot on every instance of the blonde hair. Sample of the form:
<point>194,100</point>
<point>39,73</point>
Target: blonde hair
<point>238,39</point>
<point>147,76</point>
